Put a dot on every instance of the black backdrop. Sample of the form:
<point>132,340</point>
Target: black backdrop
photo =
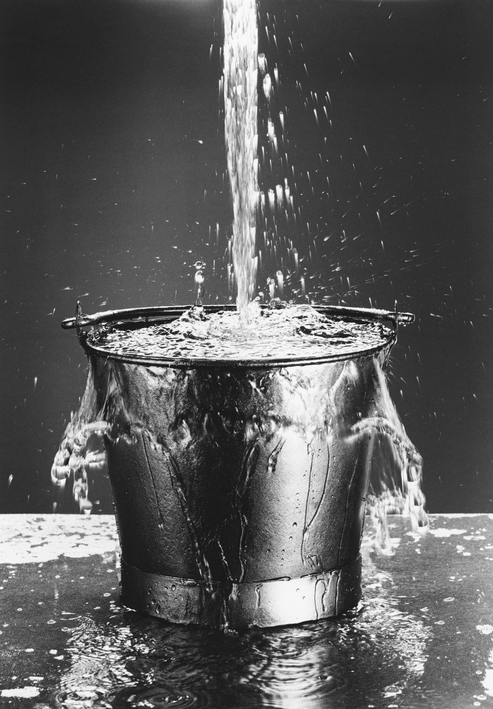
<point>113,185</point>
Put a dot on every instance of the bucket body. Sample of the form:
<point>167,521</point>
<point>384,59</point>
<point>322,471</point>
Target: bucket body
<point>239,490</point>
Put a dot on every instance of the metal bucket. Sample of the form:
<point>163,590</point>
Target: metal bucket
<point>239,487</point>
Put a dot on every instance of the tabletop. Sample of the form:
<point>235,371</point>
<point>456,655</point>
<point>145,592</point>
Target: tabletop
<point>421,637</point>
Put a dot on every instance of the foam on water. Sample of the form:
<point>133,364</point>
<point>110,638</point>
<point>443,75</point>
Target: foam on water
<point>290,332</point>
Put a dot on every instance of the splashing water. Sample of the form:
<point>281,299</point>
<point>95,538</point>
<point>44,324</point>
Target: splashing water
<point>395,483</point>
<point>82,452</point>
<point>387,494</point>
<point>240,99</point>
<point>395,465</point>
<point>291,332</point>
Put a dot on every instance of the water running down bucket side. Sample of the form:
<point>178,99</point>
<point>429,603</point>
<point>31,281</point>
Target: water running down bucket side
<point>239,492</point>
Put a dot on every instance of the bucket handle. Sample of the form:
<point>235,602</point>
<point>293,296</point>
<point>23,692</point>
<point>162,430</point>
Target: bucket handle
<point>80,321</point>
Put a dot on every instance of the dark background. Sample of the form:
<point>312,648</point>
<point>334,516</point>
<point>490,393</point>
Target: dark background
<point>113,184</point>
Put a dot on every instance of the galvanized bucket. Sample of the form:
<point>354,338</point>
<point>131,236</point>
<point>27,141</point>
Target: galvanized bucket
<point>239,487</point>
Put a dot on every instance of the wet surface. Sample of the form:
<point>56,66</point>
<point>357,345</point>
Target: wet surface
<point>423,636</point>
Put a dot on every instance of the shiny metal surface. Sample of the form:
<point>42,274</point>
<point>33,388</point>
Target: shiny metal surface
<point>283,601</point>
<point>245,485</point>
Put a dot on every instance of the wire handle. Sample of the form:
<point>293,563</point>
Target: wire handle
<point>80,321</point>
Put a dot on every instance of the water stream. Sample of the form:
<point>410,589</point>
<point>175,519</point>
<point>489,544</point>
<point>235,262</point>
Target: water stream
<point>240,100</point>
<point>395,466</point>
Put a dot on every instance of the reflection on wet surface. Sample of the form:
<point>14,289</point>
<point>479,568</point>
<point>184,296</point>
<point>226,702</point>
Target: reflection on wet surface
<point>422,637</point>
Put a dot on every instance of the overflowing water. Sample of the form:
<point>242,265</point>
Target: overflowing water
<point>291,332</point>
<point>108,415</point>
<point>317,408</point>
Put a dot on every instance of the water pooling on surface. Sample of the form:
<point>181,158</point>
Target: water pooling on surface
<point>110,657</point>
<point>408,644</point>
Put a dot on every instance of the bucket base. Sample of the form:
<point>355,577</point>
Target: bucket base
<point>269,603</point>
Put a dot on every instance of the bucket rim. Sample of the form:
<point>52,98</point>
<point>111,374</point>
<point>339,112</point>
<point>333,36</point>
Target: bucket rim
<point>141,317</point>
